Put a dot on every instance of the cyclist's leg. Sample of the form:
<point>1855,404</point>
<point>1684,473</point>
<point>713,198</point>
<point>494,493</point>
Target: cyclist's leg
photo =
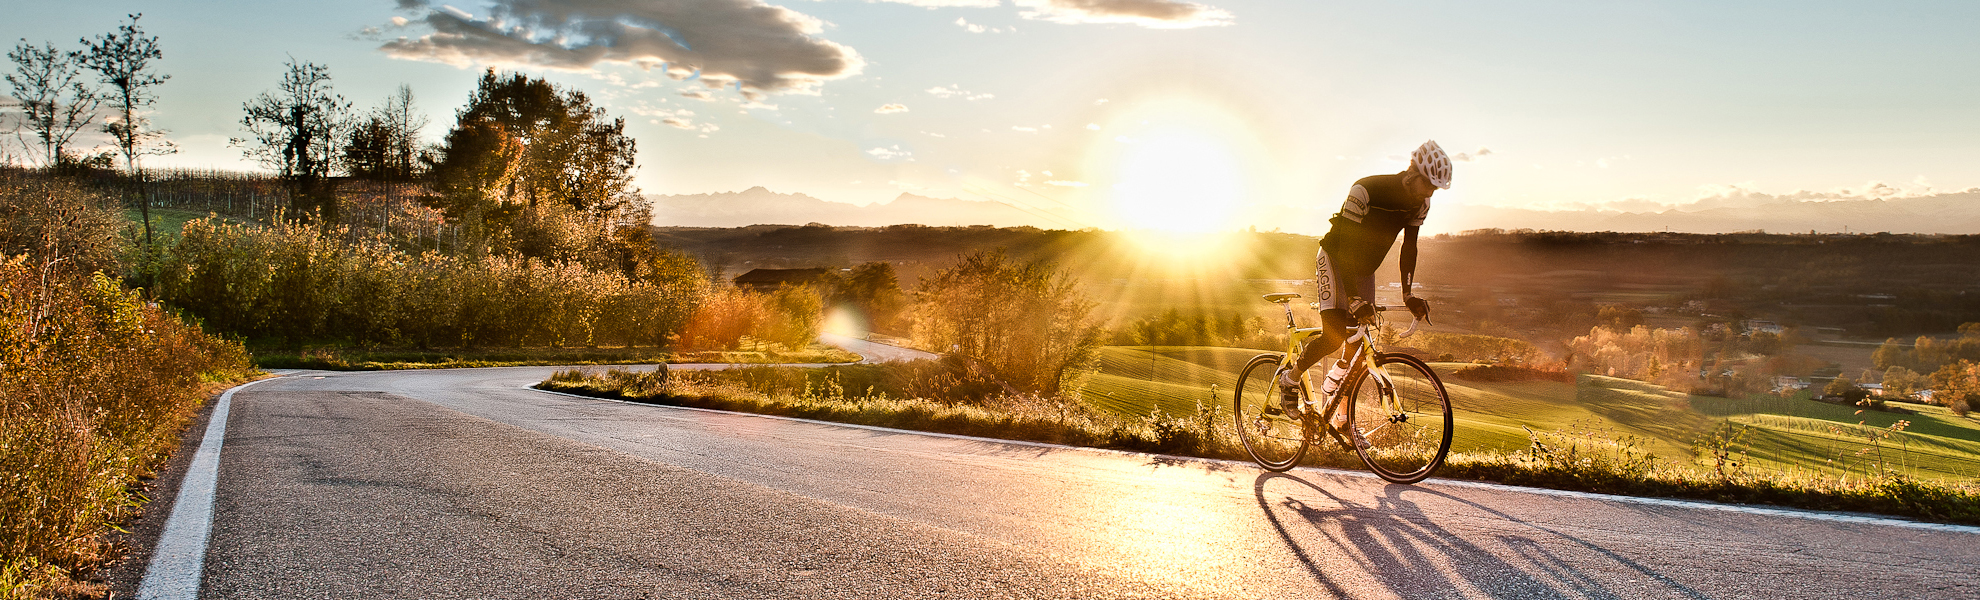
<point>1333,313</point>
<point>1364,283</point>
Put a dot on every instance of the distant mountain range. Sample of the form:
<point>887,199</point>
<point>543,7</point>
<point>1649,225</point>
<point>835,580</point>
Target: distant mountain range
<point>759,206</point>
<point>1955,213</point>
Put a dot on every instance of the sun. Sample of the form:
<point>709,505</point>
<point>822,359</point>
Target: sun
<point>1178,179</point>
<point>1178,165</point>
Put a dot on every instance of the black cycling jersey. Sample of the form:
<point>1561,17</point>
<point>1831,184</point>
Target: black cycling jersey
<point>1376,211</point>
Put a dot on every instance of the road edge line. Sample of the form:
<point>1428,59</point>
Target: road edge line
<point>1795,513</point>
<point>178,561</point>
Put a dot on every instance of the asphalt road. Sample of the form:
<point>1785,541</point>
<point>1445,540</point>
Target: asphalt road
<point>872,352</point>
<point>464,484</point>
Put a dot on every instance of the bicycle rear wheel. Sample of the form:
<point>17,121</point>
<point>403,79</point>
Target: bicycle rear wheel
<point>1407,422</point>
<point>1275,439</point>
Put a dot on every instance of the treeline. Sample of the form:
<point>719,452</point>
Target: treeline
<point>1949,368</point>
<point>1715,360</point>
<point>1185,327</point>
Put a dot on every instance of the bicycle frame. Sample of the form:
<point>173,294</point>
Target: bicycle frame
<point>1363,359</point>
<point>1402,434</point>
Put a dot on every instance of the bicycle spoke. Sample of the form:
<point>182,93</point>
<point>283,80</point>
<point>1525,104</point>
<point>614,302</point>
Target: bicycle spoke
<point>1407,422</point>
<point>1275,439</point>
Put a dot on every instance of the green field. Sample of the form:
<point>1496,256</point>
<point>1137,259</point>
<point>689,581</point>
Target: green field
<point>166,223</point>
<point>1788,434</point>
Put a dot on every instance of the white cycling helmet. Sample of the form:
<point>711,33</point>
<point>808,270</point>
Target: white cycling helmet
<point>1430,161</point>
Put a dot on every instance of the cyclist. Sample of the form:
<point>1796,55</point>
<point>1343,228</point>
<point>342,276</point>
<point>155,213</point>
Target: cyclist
<point>1377,208</point>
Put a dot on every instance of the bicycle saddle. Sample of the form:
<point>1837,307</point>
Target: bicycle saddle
<point>1280,298</point>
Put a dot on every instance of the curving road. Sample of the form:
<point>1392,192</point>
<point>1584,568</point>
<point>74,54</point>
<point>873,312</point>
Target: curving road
<point>875,352</point>
<point>465,484</point>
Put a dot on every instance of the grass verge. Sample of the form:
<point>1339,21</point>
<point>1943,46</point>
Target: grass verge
<point>1594,459</point>
<point>96,386</point>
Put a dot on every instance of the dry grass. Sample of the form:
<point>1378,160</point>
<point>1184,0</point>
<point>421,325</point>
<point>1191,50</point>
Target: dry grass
<point>97,385</point>
<point>1592,458</point>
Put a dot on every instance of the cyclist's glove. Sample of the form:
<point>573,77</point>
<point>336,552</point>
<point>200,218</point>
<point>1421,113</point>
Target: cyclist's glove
<point>1418,307</point>
<point>1362,310</point>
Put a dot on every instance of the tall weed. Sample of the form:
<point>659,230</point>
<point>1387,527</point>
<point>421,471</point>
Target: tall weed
<point>294,284</point>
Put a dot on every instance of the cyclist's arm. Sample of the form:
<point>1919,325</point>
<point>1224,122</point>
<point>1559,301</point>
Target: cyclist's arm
<point>1408,260</point>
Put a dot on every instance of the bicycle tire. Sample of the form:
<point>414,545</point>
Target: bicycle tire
<point>1409,427</point>
<point>1274,439</point>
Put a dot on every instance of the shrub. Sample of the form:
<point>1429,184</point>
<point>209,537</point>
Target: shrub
<point>296,284</point>
<point>97,384</point>
<point>1028,322</point>
<point>72,227</point>
<point>1957,386</point>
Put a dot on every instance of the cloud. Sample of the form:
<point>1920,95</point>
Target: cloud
<point>1154,14</point>
<point>1024,129</point>
<point>978,28</point>
<point>647,111</point>
<point>1468,157</point>
<point>1077,184</point>
<point>934,4</point>
<point>675,118</point>
<point>891,153</point>
<point>889,109</point>
<point>955,91</point>
<point>698,94</point>
<point>753,47</point>
<point>1093,126</point>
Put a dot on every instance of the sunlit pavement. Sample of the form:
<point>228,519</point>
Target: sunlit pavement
<point>873,352</point>
<point>609,499</point>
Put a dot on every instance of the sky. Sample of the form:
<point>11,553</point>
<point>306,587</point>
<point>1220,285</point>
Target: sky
<point>1145,113</point>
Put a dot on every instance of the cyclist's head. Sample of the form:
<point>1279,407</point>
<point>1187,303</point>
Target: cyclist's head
<point>1430,161</point>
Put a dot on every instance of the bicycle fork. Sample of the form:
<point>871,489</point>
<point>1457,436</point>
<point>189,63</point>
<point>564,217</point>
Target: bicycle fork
<point>1362,362</point>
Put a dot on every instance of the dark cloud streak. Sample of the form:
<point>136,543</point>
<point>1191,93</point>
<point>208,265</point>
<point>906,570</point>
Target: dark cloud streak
<point>745,43</point>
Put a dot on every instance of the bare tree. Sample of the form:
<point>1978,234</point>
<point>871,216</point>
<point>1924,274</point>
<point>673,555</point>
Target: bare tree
<point>385,145</point>
<point>297,130</point>
<point>55,102</point>
<point>123,59</point>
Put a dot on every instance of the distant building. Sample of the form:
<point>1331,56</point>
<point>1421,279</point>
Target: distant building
<point>1788,384</point>
<point>1758,326</point>
<point>768,280</point>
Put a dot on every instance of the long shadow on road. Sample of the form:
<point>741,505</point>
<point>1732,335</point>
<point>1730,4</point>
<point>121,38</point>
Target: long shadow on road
<point>1404,548</point>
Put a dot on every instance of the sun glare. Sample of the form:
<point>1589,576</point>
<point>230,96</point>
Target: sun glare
<point>843,321</point>
<point>1179,166</point>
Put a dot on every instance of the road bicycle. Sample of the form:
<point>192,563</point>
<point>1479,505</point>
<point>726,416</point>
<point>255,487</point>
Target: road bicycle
<point>1394,403</point>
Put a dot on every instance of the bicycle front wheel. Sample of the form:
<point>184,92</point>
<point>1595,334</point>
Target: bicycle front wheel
<point>1275,439</point>
<point>1407,420</point>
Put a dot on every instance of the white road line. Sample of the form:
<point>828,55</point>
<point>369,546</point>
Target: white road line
<point>1694,504</point>
<point>180,556</point>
